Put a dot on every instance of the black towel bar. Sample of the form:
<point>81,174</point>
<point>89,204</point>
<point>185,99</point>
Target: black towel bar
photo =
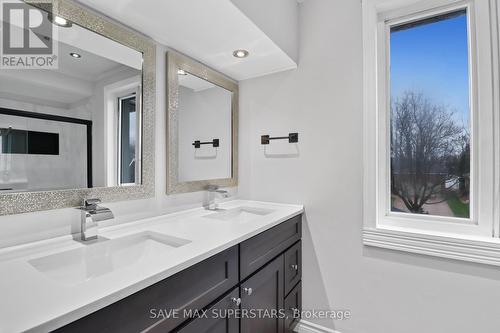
<point>292,138</point>
<point>214,142</point>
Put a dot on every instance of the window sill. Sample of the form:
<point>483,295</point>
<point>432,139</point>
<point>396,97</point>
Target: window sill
<point>477,250</point>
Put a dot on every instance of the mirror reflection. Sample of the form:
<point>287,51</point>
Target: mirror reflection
<point>74,126</point>
<point>205,131</point>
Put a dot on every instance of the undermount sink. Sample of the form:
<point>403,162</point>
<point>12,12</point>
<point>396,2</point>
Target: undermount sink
<point>239,214</point>
<point>103,257</point>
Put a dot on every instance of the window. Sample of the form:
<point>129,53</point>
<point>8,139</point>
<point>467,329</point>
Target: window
<point>430,116</point>
<point>431,134</point>
<point>127,140</point>
<point>123,135</point>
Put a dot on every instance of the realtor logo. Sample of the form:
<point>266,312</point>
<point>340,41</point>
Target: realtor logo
<point>27,37</point>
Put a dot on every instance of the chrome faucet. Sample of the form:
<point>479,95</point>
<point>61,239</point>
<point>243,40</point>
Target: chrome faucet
<point>91,215</point>
<point>212,191</point>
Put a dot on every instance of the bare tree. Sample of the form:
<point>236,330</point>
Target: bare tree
<point>424,137</point>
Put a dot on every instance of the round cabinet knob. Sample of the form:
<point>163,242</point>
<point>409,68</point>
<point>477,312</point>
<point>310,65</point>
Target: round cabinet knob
<point>248,291</point>
<point>295,267</point>
<point>236,301</point>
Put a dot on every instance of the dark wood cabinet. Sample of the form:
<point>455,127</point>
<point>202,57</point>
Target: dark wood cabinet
<point>260,277</point>
<point>259,250</point>
<point>293,306</point>
<point>218,318</point>
<point>293,266</point>
<point>262,296</point>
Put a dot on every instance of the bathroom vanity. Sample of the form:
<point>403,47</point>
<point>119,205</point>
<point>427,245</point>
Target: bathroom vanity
<point>191,271</point>
<point>258,273</point>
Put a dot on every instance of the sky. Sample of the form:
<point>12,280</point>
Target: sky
<point>433,59</point>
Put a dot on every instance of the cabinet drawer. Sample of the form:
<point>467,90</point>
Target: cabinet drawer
<point>218,318</point>
<point>293,306</point>
<point>293,266</point>
<point>192,288</point>
<point>259,250</point>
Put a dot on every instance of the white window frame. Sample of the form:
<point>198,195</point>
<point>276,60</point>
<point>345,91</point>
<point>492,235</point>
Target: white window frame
<point>434,235</point>
<point>119,139</point>
<point>112,93</point>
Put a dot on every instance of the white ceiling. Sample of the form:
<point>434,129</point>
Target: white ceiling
<point>89,67</point>
<point>99,46</point>
<point>207,30</point>
<point>194,83</point>
<point>73,81</point>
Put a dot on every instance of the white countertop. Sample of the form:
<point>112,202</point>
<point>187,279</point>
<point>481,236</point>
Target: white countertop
<point>32,301</point>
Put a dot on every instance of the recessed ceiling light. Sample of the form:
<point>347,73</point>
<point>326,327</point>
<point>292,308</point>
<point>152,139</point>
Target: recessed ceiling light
<point>182,72</point>
<point>240,53</point>
<point>75,55</point>
<point>60,21</point>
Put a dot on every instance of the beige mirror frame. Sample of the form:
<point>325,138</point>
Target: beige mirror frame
<point>176,61</point>
<point>14,203</point>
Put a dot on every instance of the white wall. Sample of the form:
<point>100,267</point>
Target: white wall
<point>387,291</point>
<point>204,115</point>
<point>21,228</point>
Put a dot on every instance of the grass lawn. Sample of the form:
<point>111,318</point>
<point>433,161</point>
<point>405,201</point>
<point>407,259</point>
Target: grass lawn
<point>458,208</point>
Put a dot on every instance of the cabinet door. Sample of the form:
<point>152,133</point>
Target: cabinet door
<point>220,318</point>
<point>263,293</point>
<point>293,306</point>
<point>293,266</point>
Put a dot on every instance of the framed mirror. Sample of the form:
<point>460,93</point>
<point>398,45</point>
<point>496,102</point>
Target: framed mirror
<point>79,122</point>
<point>202,123</point>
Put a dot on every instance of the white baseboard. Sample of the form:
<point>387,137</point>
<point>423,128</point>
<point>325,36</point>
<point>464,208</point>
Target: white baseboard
<point>308,327</point>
